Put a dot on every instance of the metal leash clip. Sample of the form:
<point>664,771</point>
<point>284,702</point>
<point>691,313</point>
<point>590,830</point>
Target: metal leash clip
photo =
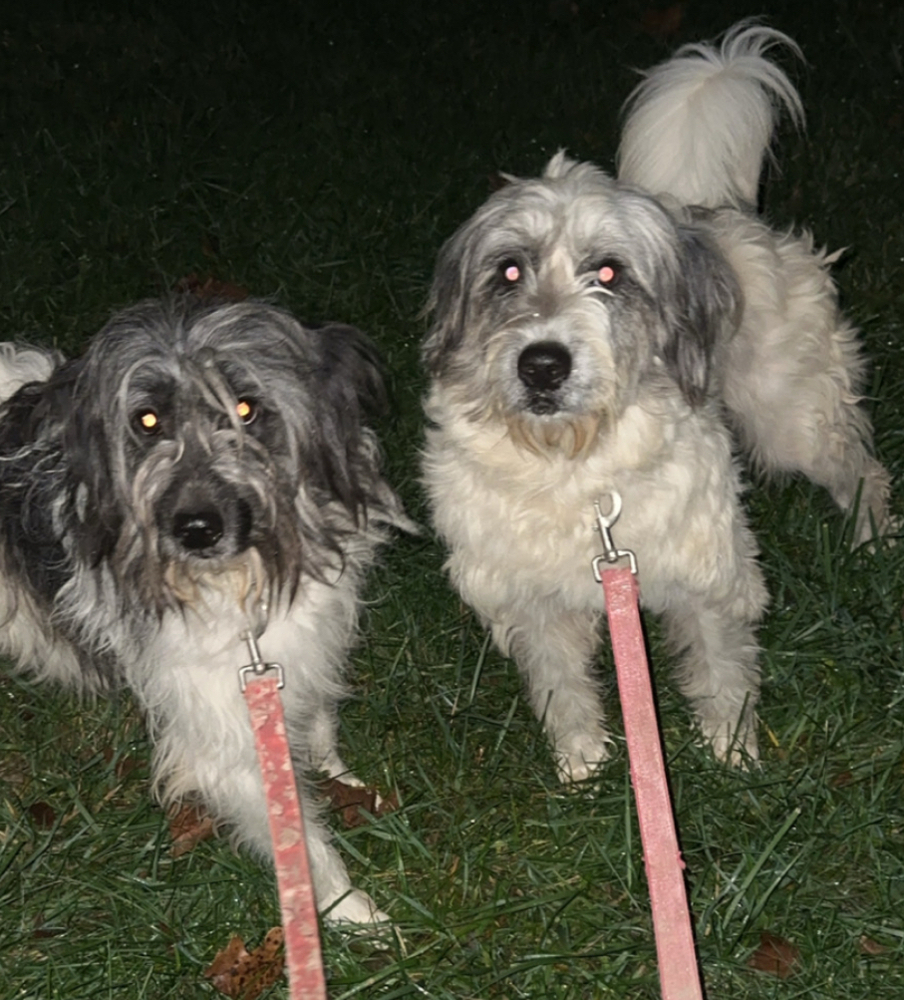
<point>257,667</point>
<point>611,554</point>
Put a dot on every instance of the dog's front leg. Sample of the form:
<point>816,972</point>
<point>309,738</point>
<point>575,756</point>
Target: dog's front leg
<point>555,650</point>
<point>719,673</point>
<point>337,900</point>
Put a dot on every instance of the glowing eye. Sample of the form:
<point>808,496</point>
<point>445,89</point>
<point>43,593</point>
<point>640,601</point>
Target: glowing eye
<point>245,410</point>
<point>510,271</point>
<point>607,274</point>
<point>148,421</point>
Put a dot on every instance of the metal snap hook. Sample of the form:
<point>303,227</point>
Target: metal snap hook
<point>611,554</point>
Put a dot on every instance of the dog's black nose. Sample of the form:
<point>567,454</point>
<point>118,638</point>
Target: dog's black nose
<point>544,366</point>
<point>198,529</point>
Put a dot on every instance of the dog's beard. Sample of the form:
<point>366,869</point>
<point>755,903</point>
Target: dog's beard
<point>243,580</point>
<point>161,580</point>
<point>245,562</point>
<point>571,436</point>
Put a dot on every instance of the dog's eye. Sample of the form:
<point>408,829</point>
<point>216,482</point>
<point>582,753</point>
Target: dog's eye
<point>148,422</point>
<point>510,272</point>
<point>606,273</point>
<point>246,410</point>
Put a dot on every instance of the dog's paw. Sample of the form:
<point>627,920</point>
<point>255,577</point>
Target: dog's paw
<point>355,910</point>
<point>579,756</point>
<point>733,748</point>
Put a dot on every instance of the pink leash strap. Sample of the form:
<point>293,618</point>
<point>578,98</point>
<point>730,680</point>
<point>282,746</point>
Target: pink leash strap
<point>261,683</point>
<point>679,976</point>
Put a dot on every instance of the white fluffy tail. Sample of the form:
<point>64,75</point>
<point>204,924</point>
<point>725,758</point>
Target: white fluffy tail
<point>699,125</point>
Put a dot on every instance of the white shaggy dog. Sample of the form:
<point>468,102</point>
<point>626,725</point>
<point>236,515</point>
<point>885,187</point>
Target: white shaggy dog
<point>201,471</point>
<point>593,336</point>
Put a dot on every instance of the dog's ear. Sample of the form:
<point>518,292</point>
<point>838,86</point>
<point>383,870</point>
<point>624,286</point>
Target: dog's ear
<point>350,386</point>
<point>703,307</point>
<point>448,305</point>
<point>71,402</point>
<point>353,378</point>
<point>50,455</point>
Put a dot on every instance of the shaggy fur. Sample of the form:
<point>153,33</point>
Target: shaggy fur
<point>595,335</point>
<point>202,470</point>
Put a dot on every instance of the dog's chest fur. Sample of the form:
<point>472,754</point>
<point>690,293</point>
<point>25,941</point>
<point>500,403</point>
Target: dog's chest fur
<point>521,525</point>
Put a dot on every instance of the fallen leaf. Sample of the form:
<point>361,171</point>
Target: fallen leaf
<point>870,947</point>
<point>42,814</point>
<point>350,800</point>
<point>776,956</point>
<point>189,825</point>
<point>211,288</point>
<point>238,973</point>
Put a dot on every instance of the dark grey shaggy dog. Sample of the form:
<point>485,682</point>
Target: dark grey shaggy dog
<point>204,470</point>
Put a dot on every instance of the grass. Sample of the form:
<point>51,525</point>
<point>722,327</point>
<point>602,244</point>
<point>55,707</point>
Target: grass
<point>319,154</point>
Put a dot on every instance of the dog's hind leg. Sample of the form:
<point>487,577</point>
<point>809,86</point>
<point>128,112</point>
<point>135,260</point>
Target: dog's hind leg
<point>812,424</point>
<point>323,751</point>
<point>555,649</point>
<point>793,374</point>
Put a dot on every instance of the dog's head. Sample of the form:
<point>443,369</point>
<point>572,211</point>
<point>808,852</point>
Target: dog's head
<point>563,295</point>
<point>195,441</point>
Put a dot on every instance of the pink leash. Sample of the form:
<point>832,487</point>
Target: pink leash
<point>261,684</point>
<point>679,976</point>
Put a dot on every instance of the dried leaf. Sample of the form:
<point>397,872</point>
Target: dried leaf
<point>244,975</point>
<point>776,956</point>
<point>350,800</point>
<point>42,814</point>
<point>189,825</point>
<point>870,947</point>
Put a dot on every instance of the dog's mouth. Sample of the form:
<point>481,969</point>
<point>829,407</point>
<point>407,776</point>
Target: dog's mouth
<point>547,415</point>
<point>542,404</point>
